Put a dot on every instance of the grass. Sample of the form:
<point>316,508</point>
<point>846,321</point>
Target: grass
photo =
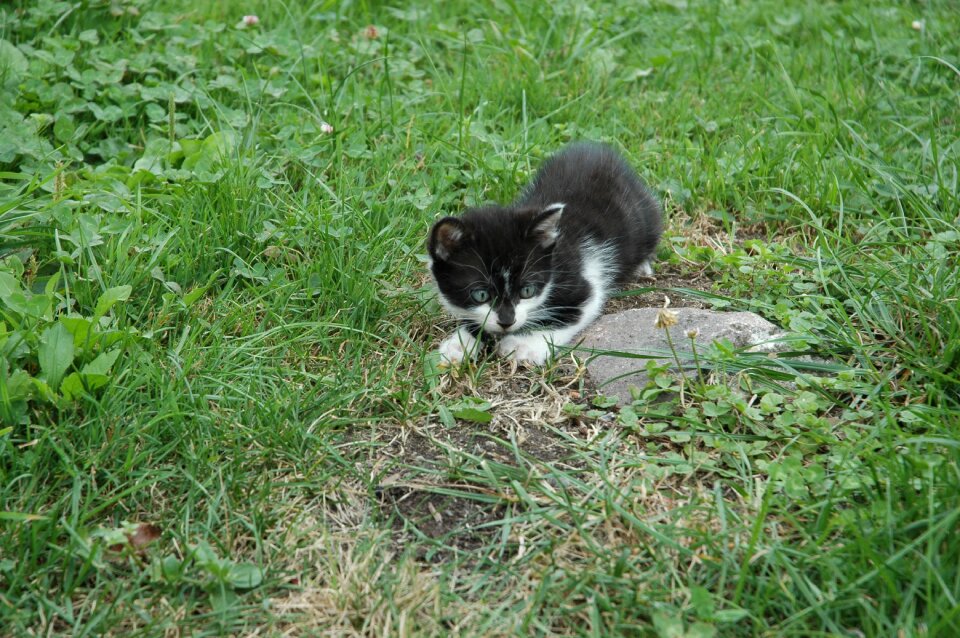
<point>248,435</point>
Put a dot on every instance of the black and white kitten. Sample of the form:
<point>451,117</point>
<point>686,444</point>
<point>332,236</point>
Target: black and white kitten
<point>535,273</point>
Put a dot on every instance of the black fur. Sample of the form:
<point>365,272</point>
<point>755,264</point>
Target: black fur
<point>605,203</point>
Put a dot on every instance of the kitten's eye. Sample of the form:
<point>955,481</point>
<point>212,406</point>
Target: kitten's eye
<point>480,295</point>
<point>528,291</point>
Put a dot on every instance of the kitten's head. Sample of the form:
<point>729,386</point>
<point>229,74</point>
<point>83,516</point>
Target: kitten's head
<point>493,265</point>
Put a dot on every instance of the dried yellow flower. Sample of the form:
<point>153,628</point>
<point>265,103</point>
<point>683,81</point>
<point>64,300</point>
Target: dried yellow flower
<point>693,333</point>
<point>665,319</point>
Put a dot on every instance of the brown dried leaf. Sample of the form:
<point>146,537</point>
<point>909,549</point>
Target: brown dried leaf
<point>143,536</point>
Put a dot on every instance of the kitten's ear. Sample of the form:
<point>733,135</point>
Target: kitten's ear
<point>445,237</point>
<point>546,225</point>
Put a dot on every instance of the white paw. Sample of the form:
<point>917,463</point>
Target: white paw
<point>525,349</point>
<point>458,346</point>
<point>645,269</point>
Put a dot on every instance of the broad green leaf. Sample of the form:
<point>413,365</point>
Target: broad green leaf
<point>8,285</point>
<point>667,625</point>
<point>55,353</point>
<point>701,630</point>
<point>35,307</point>
<point>191,297</point>
<point>14,345</point>
<point>78,383</point>
<point>204,555</point>
<point>471,409</point>
<point>102,364</point>
<point>153,156</point>
<point>573,409</point>
<point>80,328</point>
<point>702,602</point>
<point>110,297</point>
<point>212,151</point>
<point>446,417</point>
<point>42,390</point>
<point>89,36</point>
<point>171,568</point>
<point>14,391</point>
<point>13,385</point>
<point>92,376</point>
<point>190,147</point>
<point>472,414</point>
<point>13,65</point>
<point>64,129</point>
<point>244,576</point>
<point>86,336</point>
<point>222,599</point>
<point>601,401</point>
<point>730,615</point>
<point>628,417</point>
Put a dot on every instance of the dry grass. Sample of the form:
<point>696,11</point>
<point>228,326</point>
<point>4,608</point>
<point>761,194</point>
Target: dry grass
<point>485,515</point>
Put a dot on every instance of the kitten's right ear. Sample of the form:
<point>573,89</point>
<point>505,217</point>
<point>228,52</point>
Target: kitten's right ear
<point>445,237</point>
<point>546,225</point>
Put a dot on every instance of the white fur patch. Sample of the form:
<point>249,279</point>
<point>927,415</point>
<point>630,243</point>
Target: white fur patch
<point>530,348</point>
<point>535,347</point>
<point>458,346</point>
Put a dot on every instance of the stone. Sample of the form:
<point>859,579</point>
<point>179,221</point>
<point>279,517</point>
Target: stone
<point>633,331</point>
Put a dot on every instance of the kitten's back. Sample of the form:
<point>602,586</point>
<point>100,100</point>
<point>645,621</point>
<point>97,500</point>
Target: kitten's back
<point>606,201</point>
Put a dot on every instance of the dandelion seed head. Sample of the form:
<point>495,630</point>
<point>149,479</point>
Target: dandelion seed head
<point>665,319</point>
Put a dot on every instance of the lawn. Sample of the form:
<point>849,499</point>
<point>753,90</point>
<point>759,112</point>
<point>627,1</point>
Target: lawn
<point>219,410</point>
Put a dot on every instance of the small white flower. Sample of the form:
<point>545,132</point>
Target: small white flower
<point>326,128</point>
<point>251,21</point>
<point>693,333</point>
<point>917,25</point>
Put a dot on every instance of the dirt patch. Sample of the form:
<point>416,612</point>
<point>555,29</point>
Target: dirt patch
<point>637,295</point>
<point>458,523</point>
<point>439,481</point>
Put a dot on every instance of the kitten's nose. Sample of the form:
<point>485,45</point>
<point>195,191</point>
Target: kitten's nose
<point>505,316</point>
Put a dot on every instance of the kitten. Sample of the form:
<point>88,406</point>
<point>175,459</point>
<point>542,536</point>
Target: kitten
<point>533,274</point>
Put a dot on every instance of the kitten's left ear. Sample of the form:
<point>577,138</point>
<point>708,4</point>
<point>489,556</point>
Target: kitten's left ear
<point>546,225</point>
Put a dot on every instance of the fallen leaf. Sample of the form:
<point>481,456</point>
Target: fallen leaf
<point>144,535</point>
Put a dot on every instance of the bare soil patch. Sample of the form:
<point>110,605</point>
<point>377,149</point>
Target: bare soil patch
<point>668,276</point>
<point>435,481</point>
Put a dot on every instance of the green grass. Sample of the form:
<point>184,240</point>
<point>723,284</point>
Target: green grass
<point>260,386</point>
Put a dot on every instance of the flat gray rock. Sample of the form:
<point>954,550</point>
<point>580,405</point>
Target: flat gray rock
<point>633,331</point>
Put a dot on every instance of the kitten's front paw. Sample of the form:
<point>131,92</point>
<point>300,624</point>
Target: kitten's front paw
<point>532,349</point>
<point>645,270</point>
<point>457,347</point>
